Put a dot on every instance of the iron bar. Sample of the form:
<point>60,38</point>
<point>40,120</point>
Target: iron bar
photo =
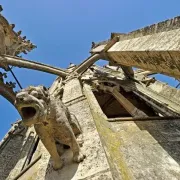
<point>15,77</point>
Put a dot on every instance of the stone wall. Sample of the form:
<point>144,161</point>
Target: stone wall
<point>147,150</point>
<point>114,150</point>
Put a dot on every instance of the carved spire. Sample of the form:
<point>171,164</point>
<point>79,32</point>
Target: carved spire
<point>16,44</point>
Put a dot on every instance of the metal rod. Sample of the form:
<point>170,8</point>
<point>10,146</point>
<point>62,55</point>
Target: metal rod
<point>144,118</point>
<point>15,77</point>
<point>178,85</point>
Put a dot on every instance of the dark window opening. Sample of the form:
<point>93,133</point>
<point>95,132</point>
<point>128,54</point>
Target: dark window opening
<point>110,106</point>
<point>139,103</point>
<point>113,109</point>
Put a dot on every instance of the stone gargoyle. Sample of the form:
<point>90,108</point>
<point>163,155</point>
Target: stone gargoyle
<point>52,121</point>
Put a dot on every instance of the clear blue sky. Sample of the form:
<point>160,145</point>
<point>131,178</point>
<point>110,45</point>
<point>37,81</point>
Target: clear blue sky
<point>63,31</point>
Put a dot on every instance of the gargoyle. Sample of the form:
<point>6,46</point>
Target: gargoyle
<point>52,121</point>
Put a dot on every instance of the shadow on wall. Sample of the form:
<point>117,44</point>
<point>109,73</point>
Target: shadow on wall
<point>166,133</point>
<point>67,172</point>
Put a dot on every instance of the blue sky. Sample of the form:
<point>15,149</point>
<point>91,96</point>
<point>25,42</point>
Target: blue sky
<point>63,31</point>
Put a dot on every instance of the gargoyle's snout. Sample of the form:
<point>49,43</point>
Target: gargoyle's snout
<point>23,102</point>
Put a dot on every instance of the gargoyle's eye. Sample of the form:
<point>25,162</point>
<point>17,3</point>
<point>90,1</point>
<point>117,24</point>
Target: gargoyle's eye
<point>35,94</point>
<point>39,97</point>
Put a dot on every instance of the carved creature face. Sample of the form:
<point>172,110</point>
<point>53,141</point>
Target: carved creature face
<point>32,104</point>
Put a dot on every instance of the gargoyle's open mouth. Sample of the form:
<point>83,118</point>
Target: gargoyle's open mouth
<point>28,112</point>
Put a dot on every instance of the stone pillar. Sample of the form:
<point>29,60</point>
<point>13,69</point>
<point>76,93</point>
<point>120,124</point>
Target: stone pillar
<point>110,140</point>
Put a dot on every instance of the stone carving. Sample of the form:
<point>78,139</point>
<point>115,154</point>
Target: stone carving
<point>2,75</point>
<point>52,121</point>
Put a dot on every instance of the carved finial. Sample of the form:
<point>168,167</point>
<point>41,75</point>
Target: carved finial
<point>71,65</point>
<point>24,37</point>
<point>1,9</point>
<point>3,75</point>
<point>12,26</point>
<point>19,33</point>
<point>24,52</point>
<point>11,84</point>
<point>93,44</point>
<point>33,46</point>
<point>19,56</point>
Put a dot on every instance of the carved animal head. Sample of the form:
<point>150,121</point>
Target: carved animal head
<point>32,104</point>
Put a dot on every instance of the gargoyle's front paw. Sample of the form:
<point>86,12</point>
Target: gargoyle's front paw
<point>57,165</point>
<point>78,157</point>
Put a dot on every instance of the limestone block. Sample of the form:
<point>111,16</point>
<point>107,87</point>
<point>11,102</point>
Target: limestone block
<point>72,90</point>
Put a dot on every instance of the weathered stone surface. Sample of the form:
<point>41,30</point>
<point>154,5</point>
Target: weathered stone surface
<point>166,91</point>
<point>167,25</point>
<point>2,41</point>
<point>90,168</point>
<point>95,161</point>
<point>146,148</point>
<point>156,52</point>
<point>154,48</point>
<point>72,90</point>
<point>150,162</point>
<point>109,138</point>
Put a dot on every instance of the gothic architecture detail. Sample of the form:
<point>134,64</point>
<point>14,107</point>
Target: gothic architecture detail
<point>124,120</point>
